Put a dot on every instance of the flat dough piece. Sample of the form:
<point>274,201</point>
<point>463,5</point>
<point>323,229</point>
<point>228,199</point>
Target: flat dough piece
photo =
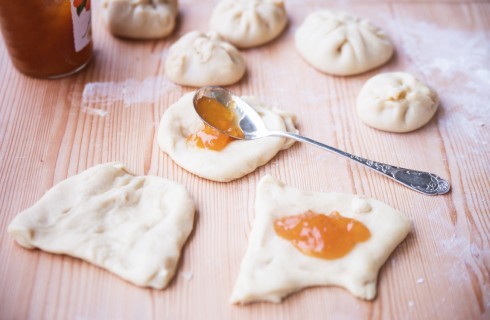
<point>396,102</point>
<point>132,226</point>
<point>237,159</point>
<point>140,19</point>
<point>204,59</point>
<point>273,268</point>
<point>338,43</point>
<point>249,23</point>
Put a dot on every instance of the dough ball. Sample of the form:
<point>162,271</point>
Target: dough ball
<point>140,19</point>
<point>396,102</point>
<point>237,159</point>
<point>203,59</point>
<point>249,23</point>
<point>340,44</point>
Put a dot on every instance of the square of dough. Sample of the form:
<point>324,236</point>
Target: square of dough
<point>132,226</point>
<point>272,267</point>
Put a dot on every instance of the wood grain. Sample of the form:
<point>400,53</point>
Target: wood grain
<point>441,271</point>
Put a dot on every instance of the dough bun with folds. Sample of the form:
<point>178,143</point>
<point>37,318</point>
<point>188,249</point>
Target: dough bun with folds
<point>396,102</point>
<point>338,43</point>
<point>203,59</point>
<point>140,19</point>
<point>250,23</point>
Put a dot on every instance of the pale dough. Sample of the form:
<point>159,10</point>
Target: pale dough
<point>396,102</point>
<point>272,267</point>
<point>249,23</point>
<point>133,226</point>
<point>237,159</point>
<point>338,43</point>
<point>140,19</point>
<point>203,59</point>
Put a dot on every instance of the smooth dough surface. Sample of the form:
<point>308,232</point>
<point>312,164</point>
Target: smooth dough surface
<point>140,19</point>
<point>396,102</point>
<point>272,267</point>
<point>133,226</point>
<point>338,43</point>
<point>249,23</point>
<point>203,59</point>
<point>237,159</point>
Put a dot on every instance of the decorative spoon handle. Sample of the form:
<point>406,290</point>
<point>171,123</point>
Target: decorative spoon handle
<point>423,182</point>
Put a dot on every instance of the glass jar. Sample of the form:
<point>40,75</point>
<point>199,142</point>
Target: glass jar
<point>47,38</point>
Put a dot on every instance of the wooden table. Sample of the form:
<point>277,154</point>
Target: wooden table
<point>49,131</point>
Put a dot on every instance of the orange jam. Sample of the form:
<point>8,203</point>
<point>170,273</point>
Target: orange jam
<point>209,138</point>
<point>47,39</point>
<point>220,117</point>
<point>322,236</point>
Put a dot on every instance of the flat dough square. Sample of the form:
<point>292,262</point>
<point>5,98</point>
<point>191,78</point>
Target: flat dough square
<point>272,267</point>
<point>133,226</point>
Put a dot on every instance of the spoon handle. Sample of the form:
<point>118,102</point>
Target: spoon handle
<point>423,182</point>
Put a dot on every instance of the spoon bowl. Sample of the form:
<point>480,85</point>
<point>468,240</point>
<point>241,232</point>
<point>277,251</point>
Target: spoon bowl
<point>249,122</point>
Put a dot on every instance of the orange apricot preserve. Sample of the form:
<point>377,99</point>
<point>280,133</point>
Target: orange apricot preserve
<point>220,117</point>
<point>322,236</point>
<point>47,39</point>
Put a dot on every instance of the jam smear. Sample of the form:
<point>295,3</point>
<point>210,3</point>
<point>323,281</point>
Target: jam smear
<point>322,236</point>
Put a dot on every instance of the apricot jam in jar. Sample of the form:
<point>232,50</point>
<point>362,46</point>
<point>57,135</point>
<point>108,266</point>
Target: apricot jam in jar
<point>47,38</point>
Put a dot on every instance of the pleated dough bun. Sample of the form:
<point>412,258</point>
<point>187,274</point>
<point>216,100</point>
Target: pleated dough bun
<point>249,23</point>
<point>338,43</point>
<point>140,19</point>
<point>203,59</point>
<point>396,102</point>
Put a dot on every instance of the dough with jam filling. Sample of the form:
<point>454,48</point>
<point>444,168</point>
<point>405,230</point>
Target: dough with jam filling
<point>237,159</point>
<point>132,226</point>
<point>273,268</point>
<point>140,19</point>
<point>339,43</point>
<point>204,59</point>
<point>249,23</point>
<point>396,102</point>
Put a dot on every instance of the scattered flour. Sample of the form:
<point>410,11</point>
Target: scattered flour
<point>130,92</point>
<point>95,111</point>
<point>187,275</point>
<point>457,64</point>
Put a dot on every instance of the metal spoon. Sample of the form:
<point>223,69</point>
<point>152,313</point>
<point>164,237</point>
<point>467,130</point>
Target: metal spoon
<point>253,128</point>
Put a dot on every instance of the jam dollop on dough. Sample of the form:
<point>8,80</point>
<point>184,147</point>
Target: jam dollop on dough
<point>220,117</point>
<point>322,236</point>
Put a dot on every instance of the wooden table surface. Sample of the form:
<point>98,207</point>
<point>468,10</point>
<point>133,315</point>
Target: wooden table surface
<point>53,129</point>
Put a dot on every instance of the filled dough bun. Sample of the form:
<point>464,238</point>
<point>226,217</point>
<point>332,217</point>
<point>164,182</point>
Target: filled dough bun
<point>204,59</point>
<point>272,267</point>
<point>140,19</point>
<point>249,23</point>
<point>338,43</point>
<point>132,226</point>
<point>396,102</point>
<point>238,158</point>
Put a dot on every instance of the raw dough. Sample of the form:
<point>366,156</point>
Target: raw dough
<point>273,268</point>
<point>203,59</point>
<point>237,159</point>
<point>132,226</point>
<point>249,23</point>
<point>396,102</point>
<point>338,43</point>
<point>140,19</point>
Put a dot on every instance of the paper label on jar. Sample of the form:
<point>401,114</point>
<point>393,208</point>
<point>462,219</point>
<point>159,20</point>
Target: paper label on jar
<point>82,26</point>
